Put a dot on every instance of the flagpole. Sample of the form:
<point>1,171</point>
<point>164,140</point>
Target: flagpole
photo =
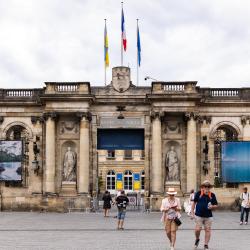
<point>137,64</point>
<point>105,68</point>
<point>121,38</point>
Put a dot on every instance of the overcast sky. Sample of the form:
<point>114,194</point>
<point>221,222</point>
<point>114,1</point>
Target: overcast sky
<point>62,40</point>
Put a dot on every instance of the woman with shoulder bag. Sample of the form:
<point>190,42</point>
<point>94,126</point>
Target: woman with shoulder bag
<point>171,208</point>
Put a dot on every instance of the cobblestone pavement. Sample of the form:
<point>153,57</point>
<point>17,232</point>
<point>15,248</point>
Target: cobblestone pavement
<point>21,230</point>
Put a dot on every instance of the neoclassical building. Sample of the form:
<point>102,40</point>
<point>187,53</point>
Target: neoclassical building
<point>79,140</point>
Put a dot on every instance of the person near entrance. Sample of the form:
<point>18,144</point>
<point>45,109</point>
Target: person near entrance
<point>121,202</point>
<point>171,208</point>
<point>106,203</point>
<point>245,205</point>
<point>204,202</point>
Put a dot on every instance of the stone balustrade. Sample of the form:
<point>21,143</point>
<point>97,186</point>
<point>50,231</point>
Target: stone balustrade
<point>173,87</point>
<point>224,92</point>
<point>67,88</point>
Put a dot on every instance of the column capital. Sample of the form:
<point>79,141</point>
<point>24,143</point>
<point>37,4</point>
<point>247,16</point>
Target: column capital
<point>245,119</point>
<point>87,115</point>
<point>191,115</point>
<point>206,119</point>
<point>1,119</point>
<point>35,119</point>
<point>52,115</point>
<point>156,114</point>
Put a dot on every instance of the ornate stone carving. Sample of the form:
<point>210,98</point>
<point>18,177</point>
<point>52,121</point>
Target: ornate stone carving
<point>245,119</point>
<point>172,165</point>
<point>172,127</point>
<point>206,119</point>
<point>68,127</point>
<point>69,165</point>
<point>87,115</point>
<point>191,115</point>
<point>121,78</point>
<point>35,119</point>
<point>156,114</point>
<point>52,115</point>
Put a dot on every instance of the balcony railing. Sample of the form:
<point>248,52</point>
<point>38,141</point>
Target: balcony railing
<point>227,93</point>
<point>67,87</point>
<point>173,87</point>
<point>224,92</point>
<point>20,93</point>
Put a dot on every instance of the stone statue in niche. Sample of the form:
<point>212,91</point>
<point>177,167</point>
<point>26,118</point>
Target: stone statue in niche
<point>69,127</point>
<point>172,165</point>
<point>69,165</point>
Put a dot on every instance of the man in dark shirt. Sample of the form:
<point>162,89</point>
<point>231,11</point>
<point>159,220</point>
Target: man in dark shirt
<point>204,202</point>
<point>121,202</point>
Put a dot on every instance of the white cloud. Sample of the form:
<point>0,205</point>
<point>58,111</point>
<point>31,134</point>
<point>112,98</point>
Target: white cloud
<point>52,40</point>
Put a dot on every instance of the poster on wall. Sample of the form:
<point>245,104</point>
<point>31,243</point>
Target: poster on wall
<point>235,161</point>
<point>10,160</point>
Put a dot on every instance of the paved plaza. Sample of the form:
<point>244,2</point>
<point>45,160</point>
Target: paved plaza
<point>23,230</point>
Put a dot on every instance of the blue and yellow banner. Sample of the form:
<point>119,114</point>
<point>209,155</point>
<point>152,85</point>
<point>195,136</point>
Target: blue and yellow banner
<point>119,181</point>
<point>137,182</point>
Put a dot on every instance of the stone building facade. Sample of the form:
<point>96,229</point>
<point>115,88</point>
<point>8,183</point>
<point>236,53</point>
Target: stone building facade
<point>62,167</point>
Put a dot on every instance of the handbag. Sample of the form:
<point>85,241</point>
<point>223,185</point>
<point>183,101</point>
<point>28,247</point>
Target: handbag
<point>177,221</point>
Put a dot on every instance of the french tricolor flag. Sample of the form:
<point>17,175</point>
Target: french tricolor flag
<point>124,40</point>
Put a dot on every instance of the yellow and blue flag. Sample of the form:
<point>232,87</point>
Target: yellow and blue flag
<point>106,47</point>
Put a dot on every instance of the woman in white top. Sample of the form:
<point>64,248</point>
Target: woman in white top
<point>171,208</point>
<point>245,205</point>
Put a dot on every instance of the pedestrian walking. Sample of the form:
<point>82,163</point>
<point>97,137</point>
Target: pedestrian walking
<point>189,203</point>
<point>107,199</point>
<point>121,202</point>
<point>171,208</point>
<point>204,202</point>
<point>245,206</point>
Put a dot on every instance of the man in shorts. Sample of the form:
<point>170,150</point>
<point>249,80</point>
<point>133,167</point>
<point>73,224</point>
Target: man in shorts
<point>121,202</point>
<point>204,202</point>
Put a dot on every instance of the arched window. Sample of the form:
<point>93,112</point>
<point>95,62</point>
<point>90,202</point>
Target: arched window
<point>18,132</point>
<point>222,133</point>
<point>110,180</point>
<point>128,180</point>
<point>142,180</point>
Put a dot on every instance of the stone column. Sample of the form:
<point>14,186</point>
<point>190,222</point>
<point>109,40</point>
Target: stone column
<point>50,153</point>
<point>83,171</point>
<point>191,152</point>
<point>245,120</point>
<point>156,163</point>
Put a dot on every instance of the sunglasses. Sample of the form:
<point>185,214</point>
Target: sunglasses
<point>206,186</point>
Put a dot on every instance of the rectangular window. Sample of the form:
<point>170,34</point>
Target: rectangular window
<point>128,154</point>
<point>111,154</point>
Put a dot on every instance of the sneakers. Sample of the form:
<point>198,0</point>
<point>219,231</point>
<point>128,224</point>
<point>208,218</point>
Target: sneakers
<point>205,247</point>
<point>241,223</point>
<point>171,248</point>
<point>196,243</point>
<point>246,223</point>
